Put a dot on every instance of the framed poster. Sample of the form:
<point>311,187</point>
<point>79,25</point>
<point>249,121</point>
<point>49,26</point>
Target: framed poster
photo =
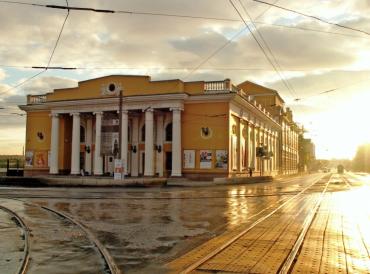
<point>221,159</point>
<point>28,161</point>
<point>41,159</point>
<point>189,158</point>
<point>118,169</point>
<point>205,159</point>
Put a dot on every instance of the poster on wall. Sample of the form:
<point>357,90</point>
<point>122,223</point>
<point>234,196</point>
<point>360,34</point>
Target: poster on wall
<point>189,158</point>
<point>205,159</point>
<point>109,135</point>
<point>28,161</point>
<point>221,159</point>
<point>234,152</point>
<point>118,169</point>
<point>41,159</point>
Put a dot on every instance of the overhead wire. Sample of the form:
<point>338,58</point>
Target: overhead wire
<point>314,17</point>
<point>331,90</point>
<point>260,45</point>
<point>216,51</point>
<point>279,71</point>
<point>49,61</point>
<point>130,12</point>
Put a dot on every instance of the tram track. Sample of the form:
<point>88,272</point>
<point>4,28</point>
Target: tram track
<point>110,266</point>
<point>22,269</point>
<point>288,262</point>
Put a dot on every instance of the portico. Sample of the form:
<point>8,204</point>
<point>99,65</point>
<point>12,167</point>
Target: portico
<point>151,144</point>
<point>165,128</point>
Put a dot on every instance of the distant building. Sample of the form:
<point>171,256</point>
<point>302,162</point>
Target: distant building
<point>169,128</point>
<point>307,156</point>
<point>288,153</point>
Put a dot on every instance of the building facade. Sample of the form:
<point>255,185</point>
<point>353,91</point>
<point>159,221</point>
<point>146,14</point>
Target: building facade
<point>307,155</point>
<point>288,153</point>
<point>166,128</point>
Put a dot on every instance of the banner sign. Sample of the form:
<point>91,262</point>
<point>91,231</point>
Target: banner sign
<point>110,136</point>
<point>118,169</point>
<point>205,158</point>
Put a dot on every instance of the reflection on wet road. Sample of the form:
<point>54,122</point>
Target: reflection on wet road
<point>145,228</point>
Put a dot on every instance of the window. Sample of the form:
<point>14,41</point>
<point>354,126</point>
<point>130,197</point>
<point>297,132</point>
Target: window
<point>169,132</point>
<point>82,134</point>
<point>143,133</point>
<point>129,134</point>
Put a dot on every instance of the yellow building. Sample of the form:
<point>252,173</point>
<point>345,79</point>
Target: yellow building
<point>169,128</point>
<point>270,99</point>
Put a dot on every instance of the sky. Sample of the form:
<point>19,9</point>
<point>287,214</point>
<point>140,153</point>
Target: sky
<point>312,56</point>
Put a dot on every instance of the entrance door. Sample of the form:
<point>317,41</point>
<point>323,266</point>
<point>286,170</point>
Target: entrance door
<point>142,163</point>
<point>168,162</point>
<point>82,160</point>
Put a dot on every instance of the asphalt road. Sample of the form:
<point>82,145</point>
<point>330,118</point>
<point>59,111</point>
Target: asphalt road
<point>142,229</point>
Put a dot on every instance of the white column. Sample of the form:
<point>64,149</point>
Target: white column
<point>135,144</point>
<point>124,142</point>
<point>149,143</point>
<point>159,142</point>
<point>176,142</point>
<point>89,134</point>
<point>75,161</point>
<point>54,147</point>
<point>270,149</point>
<point>253,154</point>
<point>98,160</point>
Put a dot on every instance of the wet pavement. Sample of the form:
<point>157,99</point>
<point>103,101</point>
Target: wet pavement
<point>143,229</point>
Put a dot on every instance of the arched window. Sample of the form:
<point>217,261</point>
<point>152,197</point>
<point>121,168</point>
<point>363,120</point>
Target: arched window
<point>143,133</point>
<point>82,134</point>
<point>169,132</point>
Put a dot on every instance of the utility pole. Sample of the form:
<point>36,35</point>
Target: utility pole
<point>120,125</point>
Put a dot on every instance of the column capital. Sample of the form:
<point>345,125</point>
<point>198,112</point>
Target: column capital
<point>124,111</point>
<point>98,113</point>
<point>149,109</point>
<point>176,109</point>
<point>74,114</point>
<point>54,115</point>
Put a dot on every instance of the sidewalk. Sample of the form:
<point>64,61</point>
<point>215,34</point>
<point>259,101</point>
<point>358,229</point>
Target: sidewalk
<point>97,181</point>
<point>337,240</point>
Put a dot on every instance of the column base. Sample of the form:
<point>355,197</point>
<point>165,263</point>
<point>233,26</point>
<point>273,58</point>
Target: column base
<point>175,174</point>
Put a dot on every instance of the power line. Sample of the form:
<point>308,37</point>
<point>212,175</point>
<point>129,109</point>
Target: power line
<point>189,17</point>
<point>259,45</point>
<point>266,10</point>
<point>281,74</point>
<point>215,53</point>
<point>313,17</point>
<point>130,12</point>
<point>155,68</point>
<point>331,90</point>
<point>49,61</point>
<point>59,35</point>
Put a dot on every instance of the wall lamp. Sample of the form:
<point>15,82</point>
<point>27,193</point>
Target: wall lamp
<point>88,149</point>
<point>158,148</point>
<point>133,149</point>
<point>205,131</point>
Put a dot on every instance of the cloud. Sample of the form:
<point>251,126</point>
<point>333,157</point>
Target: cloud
<point>48,84</point>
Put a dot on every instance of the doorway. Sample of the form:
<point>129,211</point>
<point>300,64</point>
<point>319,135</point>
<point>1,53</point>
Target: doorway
<point>168,162</point>
<point>142,163</point>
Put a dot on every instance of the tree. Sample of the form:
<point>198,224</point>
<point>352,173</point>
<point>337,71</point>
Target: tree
<point>361,162</point>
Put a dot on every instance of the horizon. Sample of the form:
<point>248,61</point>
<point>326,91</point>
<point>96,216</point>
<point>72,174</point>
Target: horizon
<point>324,66</point>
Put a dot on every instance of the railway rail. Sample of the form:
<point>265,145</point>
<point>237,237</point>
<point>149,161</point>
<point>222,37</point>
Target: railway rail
<point>22,269</point>
<point>109,265</point>
<point>286,265</point>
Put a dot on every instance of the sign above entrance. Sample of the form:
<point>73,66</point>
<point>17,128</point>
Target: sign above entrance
<point>111,88</point>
